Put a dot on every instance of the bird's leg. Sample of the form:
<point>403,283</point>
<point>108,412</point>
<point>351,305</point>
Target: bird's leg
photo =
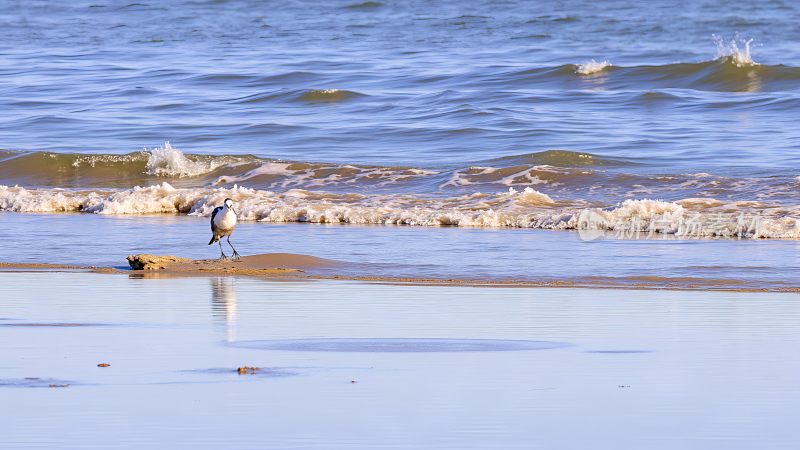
<point>235,255</point>
<point>222,256</point>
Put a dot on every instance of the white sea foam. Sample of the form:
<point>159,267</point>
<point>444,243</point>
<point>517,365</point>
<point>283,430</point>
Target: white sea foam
<point>496,175</point>
<point>737,49</point>
<point>167,161</point>
<point>530,197</point>
<point>287,175</point>
<point>591,66</point>
<point>268,168</point>
<point>517,209</point>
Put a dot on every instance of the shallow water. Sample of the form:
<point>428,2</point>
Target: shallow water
<point>632,369</point>
<point>398,251</point>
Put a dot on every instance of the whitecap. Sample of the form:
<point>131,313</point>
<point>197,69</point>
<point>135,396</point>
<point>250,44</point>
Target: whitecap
<point>591,67</point>
<point>167,161</point>
<point>737,50</point>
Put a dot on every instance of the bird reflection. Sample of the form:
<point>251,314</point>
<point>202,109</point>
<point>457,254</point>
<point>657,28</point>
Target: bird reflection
<point>223,304</point>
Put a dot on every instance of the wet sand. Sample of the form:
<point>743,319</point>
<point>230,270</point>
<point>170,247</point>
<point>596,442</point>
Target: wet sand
<point>277,266</point>
<point>344,365</point>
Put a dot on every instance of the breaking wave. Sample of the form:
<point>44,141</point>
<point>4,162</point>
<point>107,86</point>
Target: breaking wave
<point>166,161</point>
<point>554,189</point>
<point>591,67</point>
<point>187,170</point>
<point>736,51</point>
<point>111,170</point>
<point>563,174</point>
<point>732,69</point>
<point>527,208</point>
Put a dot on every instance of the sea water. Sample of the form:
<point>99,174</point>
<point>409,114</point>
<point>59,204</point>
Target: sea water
<point>657,118</point>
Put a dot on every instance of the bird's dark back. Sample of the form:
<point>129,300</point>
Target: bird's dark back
<point>214,213</point>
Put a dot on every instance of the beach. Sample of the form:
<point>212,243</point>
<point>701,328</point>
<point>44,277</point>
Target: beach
<point>355,365</point>
<point>285,350</point>
<point>480,224</point>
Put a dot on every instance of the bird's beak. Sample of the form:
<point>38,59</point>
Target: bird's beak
<point>234,211</point>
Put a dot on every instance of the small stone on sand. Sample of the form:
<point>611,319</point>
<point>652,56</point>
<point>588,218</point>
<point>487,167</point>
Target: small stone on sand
<point>244,370</point>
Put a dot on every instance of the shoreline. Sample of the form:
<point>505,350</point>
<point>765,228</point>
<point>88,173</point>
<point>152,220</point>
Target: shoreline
<point>296,267</point>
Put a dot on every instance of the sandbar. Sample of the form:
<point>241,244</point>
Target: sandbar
<point>289,266</point>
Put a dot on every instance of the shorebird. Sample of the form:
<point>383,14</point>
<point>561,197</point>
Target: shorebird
<point>223,222</point>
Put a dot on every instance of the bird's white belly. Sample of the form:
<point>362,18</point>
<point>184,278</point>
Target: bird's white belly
<point>226,221</point>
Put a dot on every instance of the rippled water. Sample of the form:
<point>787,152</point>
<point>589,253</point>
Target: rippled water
<point>402,82</point>
<point>500,114</point>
